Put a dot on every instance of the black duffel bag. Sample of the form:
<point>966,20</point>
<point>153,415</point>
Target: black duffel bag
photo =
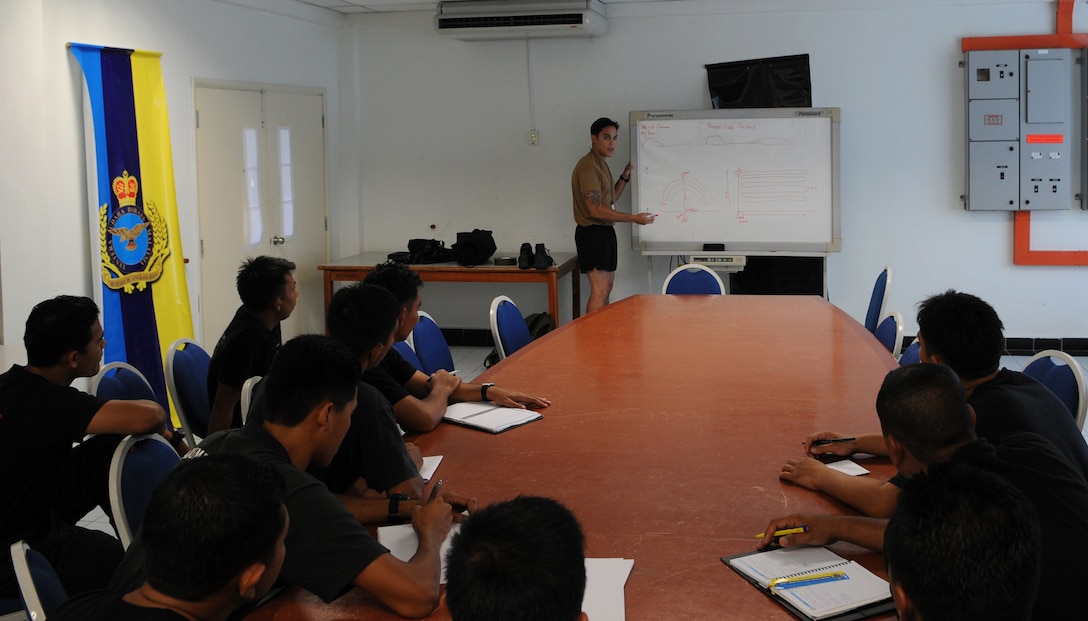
<point>428,251</point>
<point>474,248</point>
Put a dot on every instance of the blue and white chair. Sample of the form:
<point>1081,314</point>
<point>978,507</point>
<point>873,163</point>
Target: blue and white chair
<point>910,354</point>
<point>39,584</point>
<point>890,333</point>
<point>878,302</point>
<point>139,463</point>
<point>693,279</point>
<point>121,380</point>
<point>1061,373</point>
<point>430,346</point>
<point>508,327</point>
<point>187,382</point>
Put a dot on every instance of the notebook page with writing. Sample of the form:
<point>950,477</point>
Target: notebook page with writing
<point>823,600</point>
<point>784,563</point>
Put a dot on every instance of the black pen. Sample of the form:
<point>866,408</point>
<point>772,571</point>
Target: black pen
<point>434,490</point>
<point>822,442</point>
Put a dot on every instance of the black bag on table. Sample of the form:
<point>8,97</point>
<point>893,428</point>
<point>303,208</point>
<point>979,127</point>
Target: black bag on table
<point>428,251</point>
<point>474,248</point>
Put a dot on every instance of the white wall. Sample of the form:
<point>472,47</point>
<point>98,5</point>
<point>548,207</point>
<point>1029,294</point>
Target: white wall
<point>43,239</point>
<point>428,130</point>
<point>445,122</point>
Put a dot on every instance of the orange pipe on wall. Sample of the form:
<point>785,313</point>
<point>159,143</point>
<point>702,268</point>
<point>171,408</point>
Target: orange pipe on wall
<point>1063,38</point>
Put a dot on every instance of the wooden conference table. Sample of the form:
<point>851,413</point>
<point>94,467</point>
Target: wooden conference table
<point>356,268</point>
<point>670,419</point>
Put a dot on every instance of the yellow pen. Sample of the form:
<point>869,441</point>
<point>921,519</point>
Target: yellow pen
<point>800,581</point>
<point>785,531</point>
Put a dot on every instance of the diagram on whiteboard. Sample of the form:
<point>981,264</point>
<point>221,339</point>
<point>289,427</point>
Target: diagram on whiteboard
<point>744,180</point>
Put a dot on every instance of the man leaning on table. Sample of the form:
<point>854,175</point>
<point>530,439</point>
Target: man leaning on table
<point>418,400</point>
<point>964,333</point>
<point>926,423</point>
<point>311,394</point>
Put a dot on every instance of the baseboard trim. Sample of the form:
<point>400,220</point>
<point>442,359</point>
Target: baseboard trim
<point>1023,346</point>
<point>468,337</point>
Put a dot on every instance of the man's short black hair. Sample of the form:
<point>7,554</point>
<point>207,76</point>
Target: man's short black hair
<point>963,543</point>
<point>261,280</point>
<point>57,326</point>
<point>402,281</point>
<point>519,560</point>
<point>602,123</point>
<point>209,519</point>
<point>306,372</point>
<point>964,331</point>
<point>362,316</point>
<point>923,406</point>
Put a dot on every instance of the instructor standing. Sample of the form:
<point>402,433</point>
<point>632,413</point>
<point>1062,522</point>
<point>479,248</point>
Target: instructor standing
<point>595,196</point>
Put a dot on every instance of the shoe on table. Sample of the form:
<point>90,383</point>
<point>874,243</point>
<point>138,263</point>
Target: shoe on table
<point>542,259</point>
<point>525,259</point>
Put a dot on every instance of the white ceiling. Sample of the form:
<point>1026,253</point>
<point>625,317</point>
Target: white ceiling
<point>371,6</point>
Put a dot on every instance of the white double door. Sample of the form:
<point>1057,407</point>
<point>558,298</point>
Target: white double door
<point>261,191</point>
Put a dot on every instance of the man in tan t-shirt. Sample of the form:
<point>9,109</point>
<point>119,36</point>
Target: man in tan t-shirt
<point>595,195</point>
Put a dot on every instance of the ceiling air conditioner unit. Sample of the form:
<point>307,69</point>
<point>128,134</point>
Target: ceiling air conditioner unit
<point>481,20</point>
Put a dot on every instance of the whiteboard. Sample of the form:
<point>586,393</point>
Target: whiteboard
<point>755,180</point>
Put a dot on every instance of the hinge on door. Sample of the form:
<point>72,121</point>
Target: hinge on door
<point>322,120</point>
<point>198,119</point>
<point>202,249</point>
<point>326,223</point>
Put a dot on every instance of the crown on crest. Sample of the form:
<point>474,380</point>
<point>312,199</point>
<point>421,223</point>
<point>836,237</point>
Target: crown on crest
<point>125,187</point>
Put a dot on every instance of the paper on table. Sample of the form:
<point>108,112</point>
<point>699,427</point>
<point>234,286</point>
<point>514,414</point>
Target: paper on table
<point>846,466</point>
<point>430,464</point>
<point>488,416</point>
<point>402,543</point>
<point>605,579</point>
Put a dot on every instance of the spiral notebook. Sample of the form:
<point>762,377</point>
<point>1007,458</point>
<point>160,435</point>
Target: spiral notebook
<point>856,595</point>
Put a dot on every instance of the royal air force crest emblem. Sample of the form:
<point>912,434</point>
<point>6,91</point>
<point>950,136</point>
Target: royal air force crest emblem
<point>133,238</point>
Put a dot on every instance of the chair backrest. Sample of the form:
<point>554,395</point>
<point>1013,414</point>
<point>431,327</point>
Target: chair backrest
<point>890,333</point>
<point>508,327</point>
<point>121,380</point>
<point>910,354</point>
<point>187,381</point>
<point>139,463</point>
<point>431,347</point>
<point>1065,380</point>
<point>693,279</point>
<point>404,348</point>
<point>39,585</point>
<point>247,396</point>
<point>878,302</point>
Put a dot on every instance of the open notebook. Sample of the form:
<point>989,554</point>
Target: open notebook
<point>488,416</point>
<point>853,593</point>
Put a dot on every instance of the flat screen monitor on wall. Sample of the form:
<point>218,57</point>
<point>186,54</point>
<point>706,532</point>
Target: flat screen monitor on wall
<point>757,180</point>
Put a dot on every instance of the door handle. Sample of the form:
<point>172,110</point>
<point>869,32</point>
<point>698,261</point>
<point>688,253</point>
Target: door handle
<point>277,240</point>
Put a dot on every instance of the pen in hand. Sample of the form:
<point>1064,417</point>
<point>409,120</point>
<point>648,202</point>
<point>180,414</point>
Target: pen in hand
<point>435,490</point>
<point>824,441</point>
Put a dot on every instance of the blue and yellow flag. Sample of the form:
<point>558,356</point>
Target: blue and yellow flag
<point>145,300</point>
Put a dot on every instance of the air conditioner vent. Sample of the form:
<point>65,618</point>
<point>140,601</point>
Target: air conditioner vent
<point>475,20</point>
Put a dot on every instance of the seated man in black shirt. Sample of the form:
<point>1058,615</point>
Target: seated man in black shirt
<point>46,483</point>
<point>926,422</point>
<point>213,540</point>
<point>310,393</point>
<point>420,401</point>
<point>964,333</point>
<point>962,544</point>
<point>268,293</point>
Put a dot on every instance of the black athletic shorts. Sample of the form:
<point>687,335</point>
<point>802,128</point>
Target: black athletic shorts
<point>596,247</point>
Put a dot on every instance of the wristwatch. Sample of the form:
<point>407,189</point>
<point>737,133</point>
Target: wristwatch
<point>483,390</point>
<point>394,507</point>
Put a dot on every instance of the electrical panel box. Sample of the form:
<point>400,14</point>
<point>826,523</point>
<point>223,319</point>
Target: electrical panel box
<point>1020,129</point>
